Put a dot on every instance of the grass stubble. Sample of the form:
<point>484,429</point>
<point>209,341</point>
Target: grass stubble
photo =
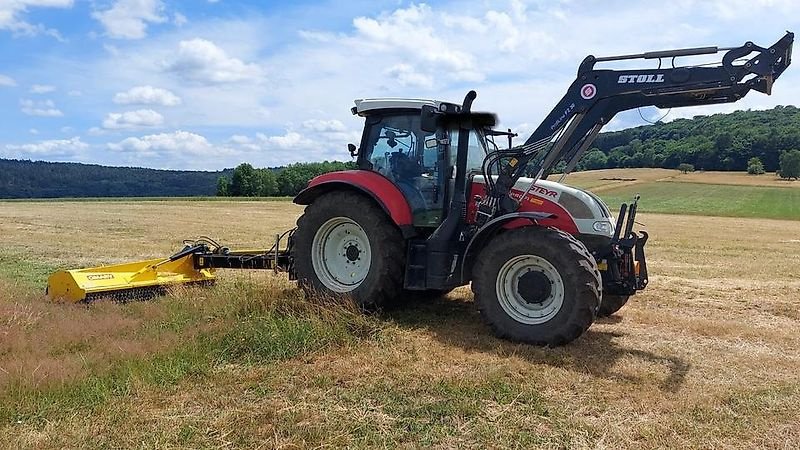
<point>708,356</point>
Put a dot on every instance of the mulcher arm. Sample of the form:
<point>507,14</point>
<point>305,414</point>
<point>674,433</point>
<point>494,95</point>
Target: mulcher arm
<point>597,95</point>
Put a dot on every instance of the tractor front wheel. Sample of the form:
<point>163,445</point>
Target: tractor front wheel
<point>537,285</point>
<point>346,245</point>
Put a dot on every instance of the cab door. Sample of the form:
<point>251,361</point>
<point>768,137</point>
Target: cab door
<point>394,145</point>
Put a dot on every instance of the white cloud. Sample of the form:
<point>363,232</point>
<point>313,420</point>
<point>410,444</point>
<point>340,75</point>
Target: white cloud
<point>202,61</point>
<point>322,126</point>
<point>177,150</point>
<point>133,119</point>
<point>128,19</point>
<point>177,141</point>
<point>33,131</point>
<point>240,139</point>
<point>288,141</point>
<point>42,89</point>
<point>408,77</point>
<point>11,10</point>
<point>43,108</point>
<point>7,81</point>
<point>58,148</point>
<point>179,20</point>
<point>414,32</point>
<point>315,140</point>
<point>147,95</point>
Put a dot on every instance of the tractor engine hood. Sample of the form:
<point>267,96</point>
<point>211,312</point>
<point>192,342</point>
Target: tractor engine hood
<point>589,213</point>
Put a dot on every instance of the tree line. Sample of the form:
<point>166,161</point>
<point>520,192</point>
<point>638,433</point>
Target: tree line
<point>716,142</point>
<point>247,181</point>
<point>39,179</point>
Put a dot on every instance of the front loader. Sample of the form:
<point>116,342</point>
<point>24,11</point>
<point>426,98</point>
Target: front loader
<point>436,204</point>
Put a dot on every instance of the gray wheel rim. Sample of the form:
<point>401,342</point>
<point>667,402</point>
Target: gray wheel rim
<point>507,289</point>
<point>341,254</point>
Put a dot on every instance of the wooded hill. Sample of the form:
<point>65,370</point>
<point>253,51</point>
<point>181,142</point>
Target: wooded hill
<point>717,142</point>
<point>27,179</point>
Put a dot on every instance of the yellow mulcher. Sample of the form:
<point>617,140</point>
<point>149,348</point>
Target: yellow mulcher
<point>194,265</point>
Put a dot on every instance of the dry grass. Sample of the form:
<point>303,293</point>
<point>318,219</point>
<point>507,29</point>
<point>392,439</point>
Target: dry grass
<point>610,179</point>
<point>80,233</point>
<point>708,356</point>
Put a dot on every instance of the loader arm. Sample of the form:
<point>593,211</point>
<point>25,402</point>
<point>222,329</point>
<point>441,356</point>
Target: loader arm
<point>597,95</point>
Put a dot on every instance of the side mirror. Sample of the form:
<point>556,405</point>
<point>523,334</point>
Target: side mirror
<point>429,118</point>
<point>353,150</point>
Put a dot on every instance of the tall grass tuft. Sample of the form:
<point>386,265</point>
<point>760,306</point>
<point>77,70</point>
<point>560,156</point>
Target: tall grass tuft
<point>250,319</point>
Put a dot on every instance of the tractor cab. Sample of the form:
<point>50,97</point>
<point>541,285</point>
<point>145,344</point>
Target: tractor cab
<point>420,162</point>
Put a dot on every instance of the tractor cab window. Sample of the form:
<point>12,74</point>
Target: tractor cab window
<point>475,154</point>
<point>394,146</point>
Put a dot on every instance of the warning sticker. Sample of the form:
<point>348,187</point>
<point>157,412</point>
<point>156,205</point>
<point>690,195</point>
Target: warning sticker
<point>101,276</point>
<point>588,91</point>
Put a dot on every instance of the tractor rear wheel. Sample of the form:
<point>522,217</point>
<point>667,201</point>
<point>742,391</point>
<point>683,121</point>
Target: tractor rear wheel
<point>537,285</point>
<point>611,304</point>
<point>346,245</point>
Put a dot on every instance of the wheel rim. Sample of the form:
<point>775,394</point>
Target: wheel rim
<point>530,290</point>
<point>341,254</point>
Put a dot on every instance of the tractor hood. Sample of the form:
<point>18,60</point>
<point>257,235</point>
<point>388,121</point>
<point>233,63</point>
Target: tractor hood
<point>589,212</point>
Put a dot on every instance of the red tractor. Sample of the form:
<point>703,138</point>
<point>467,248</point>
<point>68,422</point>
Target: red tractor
<point>436,204</point>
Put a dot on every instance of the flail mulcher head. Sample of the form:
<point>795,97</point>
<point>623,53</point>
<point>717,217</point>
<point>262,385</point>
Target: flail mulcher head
<point>194,265</point>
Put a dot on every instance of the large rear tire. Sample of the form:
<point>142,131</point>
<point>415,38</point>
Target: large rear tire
<point>346,245</point>
<point>611,304</point>
<point>537,285</point>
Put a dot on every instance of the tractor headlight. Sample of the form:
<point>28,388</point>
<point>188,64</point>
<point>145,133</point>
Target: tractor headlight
<point>602,227</point>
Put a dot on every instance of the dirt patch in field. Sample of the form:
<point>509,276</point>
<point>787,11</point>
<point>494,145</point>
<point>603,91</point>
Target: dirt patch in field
<point>606,179</point>
<point>736,178</point>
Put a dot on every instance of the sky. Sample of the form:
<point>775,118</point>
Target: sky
<point>209,84</point>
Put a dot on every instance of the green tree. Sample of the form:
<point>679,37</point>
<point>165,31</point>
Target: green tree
<point>755,167</point>
<point>685,167</point>
<point>790,164</point>
<point>267,183</point>
<point>244,182</point>
<point>594,160</point>
<point>223,186</point>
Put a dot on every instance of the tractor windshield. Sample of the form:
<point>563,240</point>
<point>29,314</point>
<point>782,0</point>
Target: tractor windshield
<point>477,149</point>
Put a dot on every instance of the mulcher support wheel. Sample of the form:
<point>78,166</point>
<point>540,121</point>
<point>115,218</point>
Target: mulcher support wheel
<point>537,285</point>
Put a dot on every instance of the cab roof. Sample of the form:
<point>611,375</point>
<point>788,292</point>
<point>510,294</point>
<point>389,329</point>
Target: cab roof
<point>365,106</point>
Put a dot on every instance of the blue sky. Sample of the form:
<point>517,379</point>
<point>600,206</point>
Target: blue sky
<point>209,84</point>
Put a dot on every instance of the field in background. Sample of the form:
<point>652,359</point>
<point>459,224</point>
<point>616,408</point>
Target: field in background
<point>706,357</point>
<point>730,194</point>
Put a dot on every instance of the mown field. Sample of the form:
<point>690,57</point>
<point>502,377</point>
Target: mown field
<point>708,356</point>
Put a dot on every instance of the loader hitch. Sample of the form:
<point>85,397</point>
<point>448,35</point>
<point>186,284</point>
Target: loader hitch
<point>623,265</point>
